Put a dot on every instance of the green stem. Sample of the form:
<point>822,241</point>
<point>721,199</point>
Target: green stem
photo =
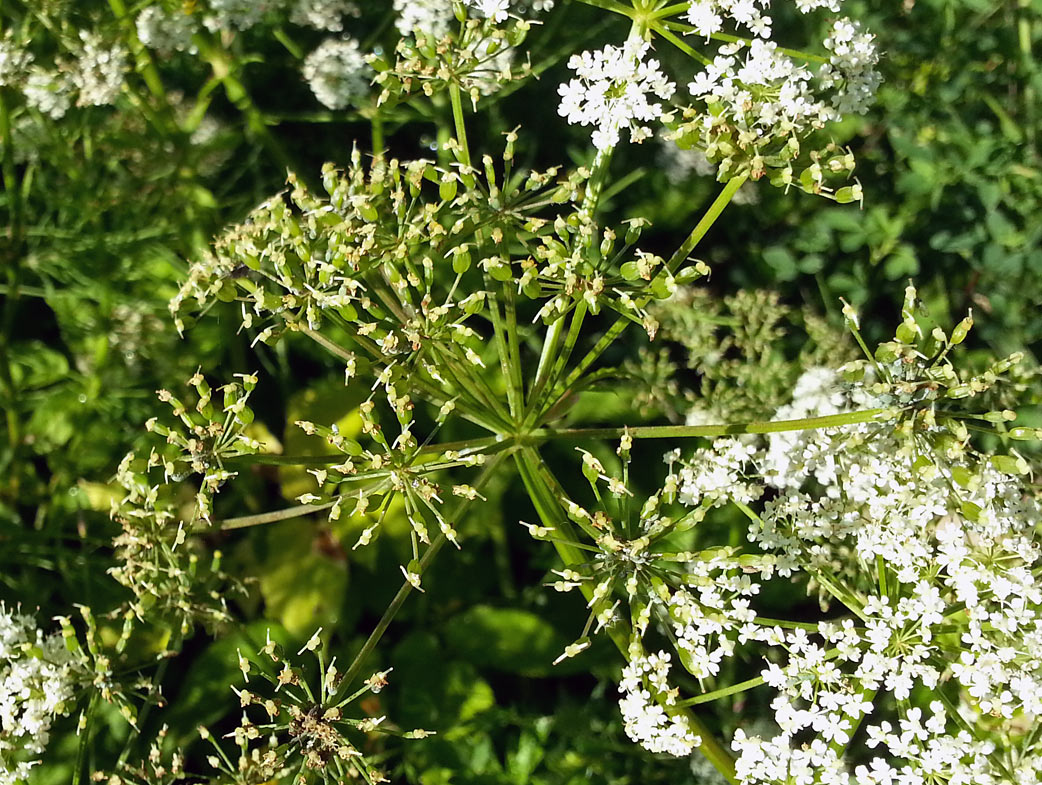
<point>669,10</point>
<point>376,125</point>
<point>135,730</point>
<point>291,46</point>
<point>689,431</point>
<point>730,39</point>
<point>12,187</point>
<point>469,411</point>
<point>508,362</point>
<point>471,385</point>
<point>705,223</point>
<point>457,119</point>
<point>707,697</point>
<point>463,445</point>
<point>591,356</point>
<point>660,28</point>
<point>145,64</point>
<point>610,5</point>
<point>1025,18</point>
<point>537,409</point>
<point>546,359</point>
<point>513,343</point>
<point>88,730</point>
<point>224,70</point>
<point>13,265</point>
<point>272,517</point>
<point>835,588</point>
<point>392,610</point>
<point>592,194</point>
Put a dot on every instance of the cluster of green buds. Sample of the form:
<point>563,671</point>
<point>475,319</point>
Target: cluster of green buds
<point>93,657</point>
<point>167,574</point>
<point>302,731</point>
<point>476,58</point>
<point>914,373</point>
<point>369,479</point>
<point>576,265</point>
<point>156,559</point>
<point>204,436</point>
<point>782,158</point>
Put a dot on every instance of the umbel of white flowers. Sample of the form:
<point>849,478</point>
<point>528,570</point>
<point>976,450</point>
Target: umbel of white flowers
<point>753,85</point>
<point>36,686</point>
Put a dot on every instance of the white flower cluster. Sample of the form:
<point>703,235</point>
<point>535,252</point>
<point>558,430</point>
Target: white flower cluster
<point>431,17</point>
<point>936,555</point>
<point>98,71</point>
<point>337,72</point>
<point>166,32</point>
<point>752,87</point>
<point>48,92</point>
<point>708,16</point>
<point>714,474</point>
<point>711,613</point>
<point>94,77</point>
<point>762,89</point>
<point>496,10</point>
<point>237,14</point>
<point>793,456</point>
<point>851,70</point>
<point>322,14</point>
<point>644,718</point>
<point>436,18</point>
<point>14,60</point>
<point>827,689</point>
<point>612,90</point>
<point>37,679</point>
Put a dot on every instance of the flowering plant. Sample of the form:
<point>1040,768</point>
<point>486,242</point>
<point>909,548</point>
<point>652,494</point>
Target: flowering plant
<point>470,303</point>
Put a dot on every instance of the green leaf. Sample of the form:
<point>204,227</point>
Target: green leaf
<point>34,365</point>
<point>303,588</point>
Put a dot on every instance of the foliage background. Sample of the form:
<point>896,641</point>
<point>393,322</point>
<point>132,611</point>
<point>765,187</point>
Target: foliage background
<point>104,208</point>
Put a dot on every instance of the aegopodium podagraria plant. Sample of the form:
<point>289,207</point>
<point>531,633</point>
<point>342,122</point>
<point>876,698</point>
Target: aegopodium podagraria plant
<point>472,296</point>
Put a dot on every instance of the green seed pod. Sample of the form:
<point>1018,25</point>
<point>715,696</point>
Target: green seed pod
<point>886,352</point>
<point>630,271</point>
<point>907,331</point>
<point>226,293</point>
<point>461,262</point>
<point>1006,415</point>
<point>691,273</point>
<point>845,195</point>
<point>500,272</point>
<point>447,188</point>
<point>962,329</point>
<point>1010,464</point>
<point>633,232</point>
<point>1025,434</point>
